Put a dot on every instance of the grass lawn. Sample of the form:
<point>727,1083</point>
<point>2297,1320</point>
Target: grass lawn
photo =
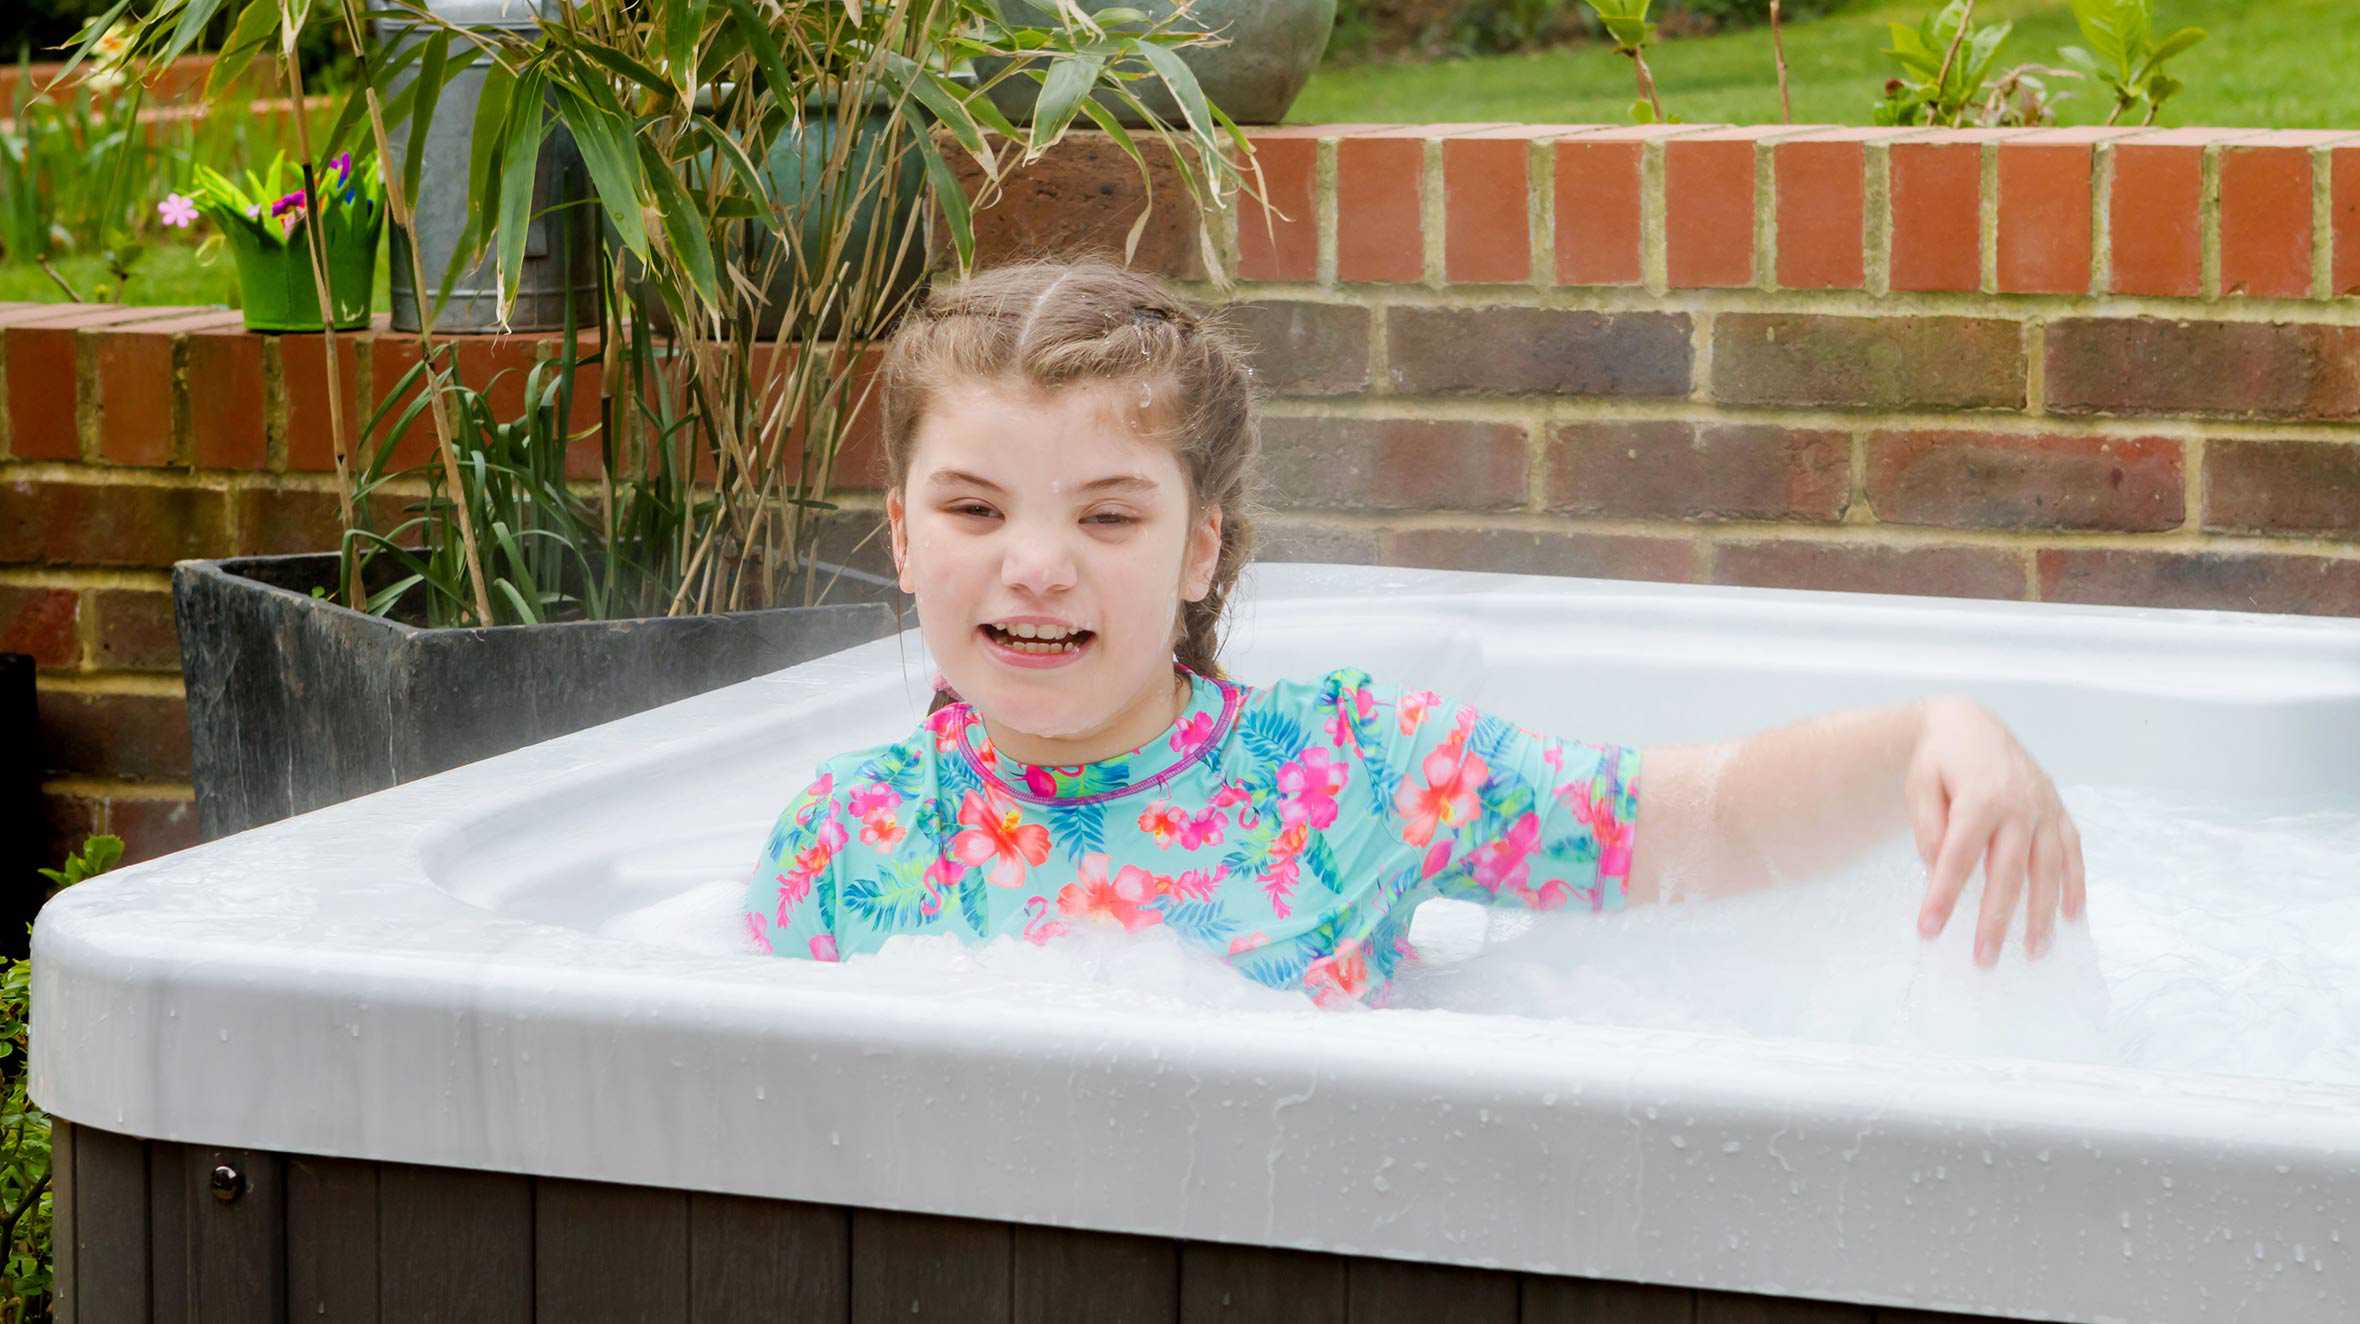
<point>165,274</point>
<point>2270,65</point>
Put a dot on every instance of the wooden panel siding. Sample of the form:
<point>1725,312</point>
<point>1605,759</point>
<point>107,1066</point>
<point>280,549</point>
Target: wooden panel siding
<point>340,1239</point>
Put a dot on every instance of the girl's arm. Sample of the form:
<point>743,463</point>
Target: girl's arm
<point>1808,798</point>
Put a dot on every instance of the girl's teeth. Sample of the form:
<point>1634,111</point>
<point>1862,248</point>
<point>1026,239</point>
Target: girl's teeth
<point>1030,646</point>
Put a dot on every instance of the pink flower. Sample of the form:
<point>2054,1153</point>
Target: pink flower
<point>178,211</point>
<point>1594,806</point>
<point>1197,885</point>
<point>1125,898</point>
<point>1193,731</point>
<point>996,834</point>
<point>823,947</point>
<point>1038,780</point>
<point>1249,942</point>
<point>1437,859</point>
<point>1203,830</point>
<point>945,724</point>
<point>1338,979</point>
<point>867,800</point>
<point>1447,797</point>
<point>1412,709</point>
<point>1308,788</point>
<point>1162,821</point>
<point>883,832</point>
<point>1503,863</point>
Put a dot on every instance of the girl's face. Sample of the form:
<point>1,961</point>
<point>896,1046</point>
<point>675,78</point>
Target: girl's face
<point>1064,516</point>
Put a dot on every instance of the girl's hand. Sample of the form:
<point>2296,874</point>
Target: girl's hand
<point>1975,794</point>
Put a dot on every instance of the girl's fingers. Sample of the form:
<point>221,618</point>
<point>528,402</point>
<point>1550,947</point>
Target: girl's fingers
<point>2003,880</point>
<point>2048,879</point>
<point>2076,898</point>
<point>1964,838</point>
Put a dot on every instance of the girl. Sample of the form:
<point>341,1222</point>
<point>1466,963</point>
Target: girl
<point>1069,451</point>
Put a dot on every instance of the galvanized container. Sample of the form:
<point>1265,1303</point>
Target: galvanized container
<point>560,253</point>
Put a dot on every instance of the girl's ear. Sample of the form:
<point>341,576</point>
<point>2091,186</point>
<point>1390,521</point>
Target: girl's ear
<point>1204,556</point>
<point>897,517</point>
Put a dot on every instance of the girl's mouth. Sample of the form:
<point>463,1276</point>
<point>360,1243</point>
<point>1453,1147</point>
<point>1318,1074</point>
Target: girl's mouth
<point>1022,652</point>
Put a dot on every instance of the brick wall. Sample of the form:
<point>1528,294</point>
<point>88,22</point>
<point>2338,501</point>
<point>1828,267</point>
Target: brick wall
<point>2066,365</point>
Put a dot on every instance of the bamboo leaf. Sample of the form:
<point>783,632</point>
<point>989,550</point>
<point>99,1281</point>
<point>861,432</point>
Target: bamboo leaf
<point>1182,80</point>
<point>257,23</point>
<point>426,91</point>
<point>1069,80</point>
<point>520,152</point>
<point>613,164</point>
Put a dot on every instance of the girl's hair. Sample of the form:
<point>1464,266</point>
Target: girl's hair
<point>1053,323</point>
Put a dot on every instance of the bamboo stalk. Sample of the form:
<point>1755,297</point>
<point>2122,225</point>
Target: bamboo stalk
<point>1786,108</point>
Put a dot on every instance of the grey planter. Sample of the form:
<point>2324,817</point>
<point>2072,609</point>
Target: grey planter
<point>1273,45</point>
<point>295,702</point>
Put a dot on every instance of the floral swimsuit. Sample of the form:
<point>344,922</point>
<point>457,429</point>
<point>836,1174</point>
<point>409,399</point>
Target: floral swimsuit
<point>1291,829</point>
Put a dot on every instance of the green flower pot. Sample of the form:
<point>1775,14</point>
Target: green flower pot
<point>275,278</point>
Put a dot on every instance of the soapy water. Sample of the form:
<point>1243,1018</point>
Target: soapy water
<point>2214,941</point>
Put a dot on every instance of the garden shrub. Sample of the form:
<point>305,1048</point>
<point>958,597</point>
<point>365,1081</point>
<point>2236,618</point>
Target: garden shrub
<point>1376,29</point>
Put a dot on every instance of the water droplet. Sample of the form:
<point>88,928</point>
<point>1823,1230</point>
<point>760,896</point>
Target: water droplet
<point>1733,1147</point>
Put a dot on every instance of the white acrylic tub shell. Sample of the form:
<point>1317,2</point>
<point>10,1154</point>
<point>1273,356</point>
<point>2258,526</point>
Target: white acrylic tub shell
<point>407,977</point>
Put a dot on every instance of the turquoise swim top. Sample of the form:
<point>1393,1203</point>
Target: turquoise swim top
<point>1291,829</point>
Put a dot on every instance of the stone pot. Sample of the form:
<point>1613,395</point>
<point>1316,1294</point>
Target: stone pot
<point>296,701</point>
<point>1272,48</point>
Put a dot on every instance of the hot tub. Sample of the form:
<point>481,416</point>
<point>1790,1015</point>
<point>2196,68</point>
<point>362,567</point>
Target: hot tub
<point>388,1041</point>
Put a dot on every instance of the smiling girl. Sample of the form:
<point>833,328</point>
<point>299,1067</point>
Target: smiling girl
<point>1069,449</point>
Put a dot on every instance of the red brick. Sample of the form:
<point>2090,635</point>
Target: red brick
<point>1515,551</point>
<point>1708,191</point>
<point>1286,540</point>
<point>1599,207</point>
<point>1303,348</point>
<point>134,630</point>
<point>2293,487</point>
<point>1822,208</point>
<point>280,521</point>
<point>1082,196</point>
<point>137,737</point>
<point>1380,233</point>
<point>1272,245</point>
<point>135,389</point>
<point>1868,362</point>
<point>2155,222</point>
<point>2266,220</point>
<point>2344,184</point>
<point>1948,572</point>
<point>2158,366</point>
<point>1393,464</point>
<point>153,826</point>
<point>1486,185</point>
<point>303,382</point>
<point>228,399</point>
<point>1678,470</point>
<point>2221,581</point>
<point>1549,351</point>
<point>44,420</point>
<point>42,622</point>
<point>112,524</point>
<point>2045,211</point>
<point>500,369</point>
<point>1991,480</point>
<point>1936,197</point>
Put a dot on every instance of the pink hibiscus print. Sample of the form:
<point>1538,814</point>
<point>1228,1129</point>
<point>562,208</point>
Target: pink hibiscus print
<point>1126,898</point>
<point>1162,821</point>
<point>995,834</point>
<point>1594,806</point>
<point>1505,862</point>
<point>1204,829</point>
<point>882,831</point>
<point>945,724</point>
<point>823,947</point>
<point>1339,979</point>
<point>1308,787</point>
<point>1412,709</point>
<point>867,800</point>
<point>1192,732</point>
<point>1443,795</point>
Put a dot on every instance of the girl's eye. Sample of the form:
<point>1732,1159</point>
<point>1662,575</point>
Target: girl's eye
<point>1111,517</point>
<point>970,508</point>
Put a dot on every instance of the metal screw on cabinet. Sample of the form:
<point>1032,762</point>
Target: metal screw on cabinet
<point>228,1183</point>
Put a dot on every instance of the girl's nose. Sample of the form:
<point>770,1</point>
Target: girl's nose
<point>1037,561</point>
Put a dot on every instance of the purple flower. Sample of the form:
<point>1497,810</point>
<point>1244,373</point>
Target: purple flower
<point>292,202</point>
<point>177,210</point>
<point>342,166</point>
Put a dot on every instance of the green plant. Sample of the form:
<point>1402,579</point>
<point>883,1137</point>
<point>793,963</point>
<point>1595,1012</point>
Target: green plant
<point>2124,54</point>
<point>64,163</point>
<point>1626,22</point>
<point>25,1196</point>
<point>1946,62</point>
